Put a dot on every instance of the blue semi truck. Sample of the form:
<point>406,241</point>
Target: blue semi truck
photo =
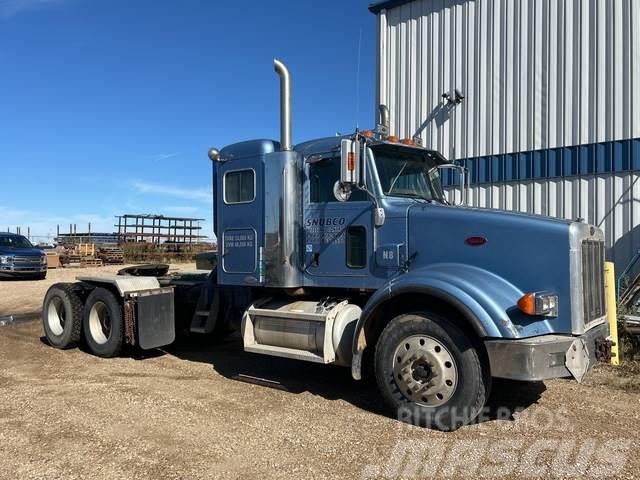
<point>346,251</point>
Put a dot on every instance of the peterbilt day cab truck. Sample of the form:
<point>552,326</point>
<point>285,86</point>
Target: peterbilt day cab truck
<point>345,251</point>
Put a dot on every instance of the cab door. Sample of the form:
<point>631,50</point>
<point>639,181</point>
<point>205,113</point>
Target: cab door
<point>337,235</point>
<point>240,217</point>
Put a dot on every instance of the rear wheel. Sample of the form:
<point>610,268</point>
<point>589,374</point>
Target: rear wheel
<point>429,372</point>
<point>103,324</point>
<point>62,315</point>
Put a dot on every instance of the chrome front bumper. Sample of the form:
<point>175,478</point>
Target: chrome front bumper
<point>546,356</point>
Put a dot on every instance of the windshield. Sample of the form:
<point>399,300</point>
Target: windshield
<point>17,241</point>
<point>404,173</point>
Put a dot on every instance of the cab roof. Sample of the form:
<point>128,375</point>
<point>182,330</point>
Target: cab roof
<point>314,147</point>
<point>328,144</point>
<point>376,7</point>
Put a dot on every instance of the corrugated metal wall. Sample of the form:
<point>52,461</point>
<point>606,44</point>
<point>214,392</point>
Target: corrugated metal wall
<point>536,73</point>
<point>611,201</point>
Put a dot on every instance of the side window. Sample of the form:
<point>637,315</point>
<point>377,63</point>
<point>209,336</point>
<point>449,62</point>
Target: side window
<point>356,246</point>
<point>239,186</point>
<point>322,177</point>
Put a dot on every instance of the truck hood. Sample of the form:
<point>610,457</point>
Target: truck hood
<point>23,252</point>
<point>531,252</point>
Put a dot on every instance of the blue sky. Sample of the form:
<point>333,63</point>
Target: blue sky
<point>109,106</point>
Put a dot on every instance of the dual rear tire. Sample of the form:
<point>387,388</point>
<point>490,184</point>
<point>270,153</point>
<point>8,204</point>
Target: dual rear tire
<point>103,323</point>
<point>62,315</point>
<point>66,317</point>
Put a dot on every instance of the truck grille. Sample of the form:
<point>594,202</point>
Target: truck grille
<point>27,260</point>
<point>593,280</point>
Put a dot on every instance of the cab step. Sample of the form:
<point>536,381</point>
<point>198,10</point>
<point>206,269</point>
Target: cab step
<point>206,313</point>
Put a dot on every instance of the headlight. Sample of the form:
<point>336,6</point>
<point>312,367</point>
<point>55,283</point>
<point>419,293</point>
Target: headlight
<point>539,303</point>
<point>43,260</point>
<point>6,259</point>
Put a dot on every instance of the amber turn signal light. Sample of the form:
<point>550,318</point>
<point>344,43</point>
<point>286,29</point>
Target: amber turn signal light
<point>539,303</point>
<point>527,303</point>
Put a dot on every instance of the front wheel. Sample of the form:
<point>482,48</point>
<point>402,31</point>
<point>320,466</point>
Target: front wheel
<point>429,372</point>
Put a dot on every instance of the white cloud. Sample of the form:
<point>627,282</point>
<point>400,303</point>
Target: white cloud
<point>203,195</point>
<point>165,156</point>
<point>10,8</point>
<point>43,225</point>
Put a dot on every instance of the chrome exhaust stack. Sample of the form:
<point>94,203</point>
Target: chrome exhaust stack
<point>285,104</point>
<point>383,119</point>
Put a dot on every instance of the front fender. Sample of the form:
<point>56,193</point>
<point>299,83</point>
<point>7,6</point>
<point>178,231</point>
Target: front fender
<point>482,296</point>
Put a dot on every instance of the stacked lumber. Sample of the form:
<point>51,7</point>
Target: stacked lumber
<point>81,256</point>
<point>87,249</point>
<point>112,255</point>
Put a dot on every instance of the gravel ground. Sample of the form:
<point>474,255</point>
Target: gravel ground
<point>193,411</point>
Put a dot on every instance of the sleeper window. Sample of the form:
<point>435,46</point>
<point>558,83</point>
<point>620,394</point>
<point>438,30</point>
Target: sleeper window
<point>239,186</point>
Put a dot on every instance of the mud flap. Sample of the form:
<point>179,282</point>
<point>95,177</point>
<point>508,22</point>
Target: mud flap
<point>577,359</point>
<point>155,318</point>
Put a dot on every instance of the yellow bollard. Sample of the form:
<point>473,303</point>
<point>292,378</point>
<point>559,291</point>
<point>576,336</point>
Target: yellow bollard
<point>612,310</point>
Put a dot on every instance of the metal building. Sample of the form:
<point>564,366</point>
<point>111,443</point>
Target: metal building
<point>550,122</point>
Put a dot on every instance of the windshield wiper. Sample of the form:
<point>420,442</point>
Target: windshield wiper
<point>409,195</point>
<point>441,200</point>
<point>393,183</point>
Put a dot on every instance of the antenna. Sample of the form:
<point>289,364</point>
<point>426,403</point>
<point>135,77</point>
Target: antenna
<point>358,81</point>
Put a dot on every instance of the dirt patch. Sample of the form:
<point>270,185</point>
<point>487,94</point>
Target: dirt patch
<point>193,411</point>
<point>625,377</point>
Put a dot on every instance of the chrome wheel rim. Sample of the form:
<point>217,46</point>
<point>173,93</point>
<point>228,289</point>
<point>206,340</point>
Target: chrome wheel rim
<point>56,316</point>
<point>425,371</point>
<point>100,323</point>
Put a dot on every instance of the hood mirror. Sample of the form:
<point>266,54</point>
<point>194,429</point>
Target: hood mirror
<point>342,191</point>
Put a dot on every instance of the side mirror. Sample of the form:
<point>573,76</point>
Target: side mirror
<point>464,184</point>
<point>350,170</point>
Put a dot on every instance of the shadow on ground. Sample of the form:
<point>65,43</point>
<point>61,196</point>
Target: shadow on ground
<point>229,360</point>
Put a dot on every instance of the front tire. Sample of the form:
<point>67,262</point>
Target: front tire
<point>103,324</point>
<point>429,373</point>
